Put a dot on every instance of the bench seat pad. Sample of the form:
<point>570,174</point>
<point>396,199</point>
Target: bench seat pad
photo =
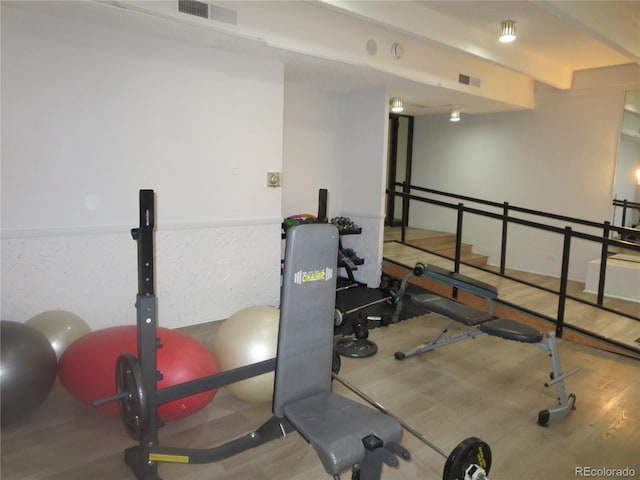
<point>456,311</point>
<point>335,427</point>
<point>511,330</point>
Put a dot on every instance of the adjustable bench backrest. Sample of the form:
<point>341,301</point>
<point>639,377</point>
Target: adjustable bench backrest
<point>305,338</point>
<point>344,433</point>
<point>461,281</point>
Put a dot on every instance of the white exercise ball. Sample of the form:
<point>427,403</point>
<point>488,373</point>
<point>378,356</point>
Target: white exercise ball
<point>60,327</point>
<point>249,336</point>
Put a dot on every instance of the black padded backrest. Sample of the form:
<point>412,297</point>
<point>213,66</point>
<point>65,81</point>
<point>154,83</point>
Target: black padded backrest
<point>462,282</point>
<point>307,304</point>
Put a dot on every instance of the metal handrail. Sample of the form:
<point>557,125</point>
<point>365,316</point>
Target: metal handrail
<point>626,205</point>
<point>506,218</point>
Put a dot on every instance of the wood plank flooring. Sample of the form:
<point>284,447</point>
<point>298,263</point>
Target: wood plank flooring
<point>488,387</point>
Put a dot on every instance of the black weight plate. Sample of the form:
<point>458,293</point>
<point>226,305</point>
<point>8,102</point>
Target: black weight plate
<point>356,347</point>
<point>471,451</point>
<point>336,363</point>
<point>134,407</point>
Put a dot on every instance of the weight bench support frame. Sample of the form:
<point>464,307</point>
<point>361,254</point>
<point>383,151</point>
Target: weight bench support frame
<point>566,403</point>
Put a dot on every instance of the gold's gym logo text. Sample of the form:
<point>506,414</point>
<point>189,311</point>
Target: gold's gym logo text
<point>313,276</point>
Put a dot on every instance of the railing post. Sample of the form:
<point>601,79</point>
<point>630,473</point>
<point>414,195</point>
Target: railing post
<point>603,261</point>
<point>623,223</point>
<point>564,276</point>
<point>405,205</point>
<point>456,264</point>
<point>403,226</point>
<point>503,247</point>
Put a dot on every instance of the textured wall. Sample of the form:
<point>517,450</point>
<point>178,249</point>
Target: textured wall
<point>95,275</point>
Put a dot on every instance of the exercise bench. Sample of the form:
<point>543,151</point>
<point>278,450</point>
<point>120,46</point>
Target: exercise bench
<point>483,322</point>
<point>344,433</point>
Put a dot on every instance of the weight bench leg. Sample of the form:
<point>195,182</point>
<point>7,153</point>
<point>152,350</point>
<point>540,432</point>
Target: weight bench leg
<point>436,342</point>
<point>566,402</point>
<point>377,454</point>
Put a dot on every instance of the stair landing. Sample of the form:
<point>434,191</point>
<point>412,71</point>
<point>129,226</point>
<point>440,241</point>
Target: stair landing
<point>441,243</point>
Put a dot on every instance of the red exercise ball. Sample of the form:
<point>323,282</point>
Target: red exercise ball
<point>87,367</point>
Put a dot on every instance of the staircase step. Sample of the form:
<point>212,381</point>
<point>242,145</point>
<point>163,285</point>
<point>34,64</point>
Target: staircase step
<point>475,259</point>
<point>442,243</point>
<point>444,248</point>
<point>449,250</point>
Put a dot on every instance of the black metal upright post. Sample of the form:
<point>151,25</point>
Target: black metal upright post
<point>405,205</point>
<point>406,188</point>
<point>503,247</point>
<point>564,277</point>
<point>323,195</point>
<point>603,262</point>
<point>458,238</point>
<point>138,457</point>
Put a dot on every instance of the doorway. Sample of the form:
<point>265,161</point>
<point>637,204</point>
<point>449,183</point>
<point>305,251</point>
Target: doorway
<point>399,157</point>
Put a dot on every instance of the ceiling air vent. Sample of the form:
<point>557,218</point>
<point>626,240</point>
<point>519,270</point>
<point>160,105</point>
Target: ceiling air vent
<point>191,7</point>
<point>209,11</point>
<point>467,80</point>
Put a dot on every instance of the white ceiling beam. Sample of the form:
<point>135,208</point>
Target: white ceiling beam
<point>313,30</point>
<point>427,24</point>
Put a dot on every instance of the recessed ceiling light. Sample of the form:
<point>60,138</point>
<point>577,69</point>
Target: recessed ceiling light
<point>396,105</point>
<point>508,31</point>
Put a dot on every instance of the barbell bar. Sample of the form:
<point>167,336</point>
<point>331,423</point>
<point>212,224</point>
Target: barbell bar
<point>469,460</point>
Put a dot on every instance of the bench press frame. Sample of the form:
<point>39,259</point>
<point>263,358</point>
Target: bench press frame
<point>566,403</point>
<point>313,306</point>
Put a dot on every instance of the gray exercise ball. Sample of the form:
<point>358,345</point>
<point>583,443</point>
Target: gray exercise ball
<point>61,328</point>
<point>28,369</point>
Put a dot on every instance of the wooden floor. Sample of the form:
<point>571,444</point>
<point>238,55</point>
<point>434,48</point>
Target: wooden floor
<point>606,324</point>
<point>487,387</point>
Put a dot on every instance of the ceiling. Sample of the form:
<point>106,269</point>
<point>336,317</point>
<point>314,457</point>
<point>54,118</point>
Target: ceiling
<point>555,40</point>
<point>563,36</point>
<point>547,32</point>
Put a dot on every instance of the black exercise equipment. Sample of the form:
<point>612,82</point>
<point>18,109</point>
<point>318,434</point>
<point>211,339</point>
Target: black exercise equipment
<point>469,460</point>
<point>323,201</point>
<point>375,307</point>
<point>340,313</point>
<point>136,376</point>
<point>344,433</point>
<point>483,322</point>
<point>355,347</point>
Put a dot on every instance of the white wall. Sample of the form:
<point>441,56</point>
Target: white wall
<point>364,176</point>
<point>89,116</point>
<point>558,158</point>
<point>338,142</point>
<point>313,124</point>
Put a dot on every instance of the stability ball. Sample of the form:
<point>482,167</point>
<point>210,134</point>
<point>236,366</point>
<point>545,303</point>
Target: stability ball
<point>87,367</point>
<point>28,367</point>
<point>60,327</point>
<point>249,336</point>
